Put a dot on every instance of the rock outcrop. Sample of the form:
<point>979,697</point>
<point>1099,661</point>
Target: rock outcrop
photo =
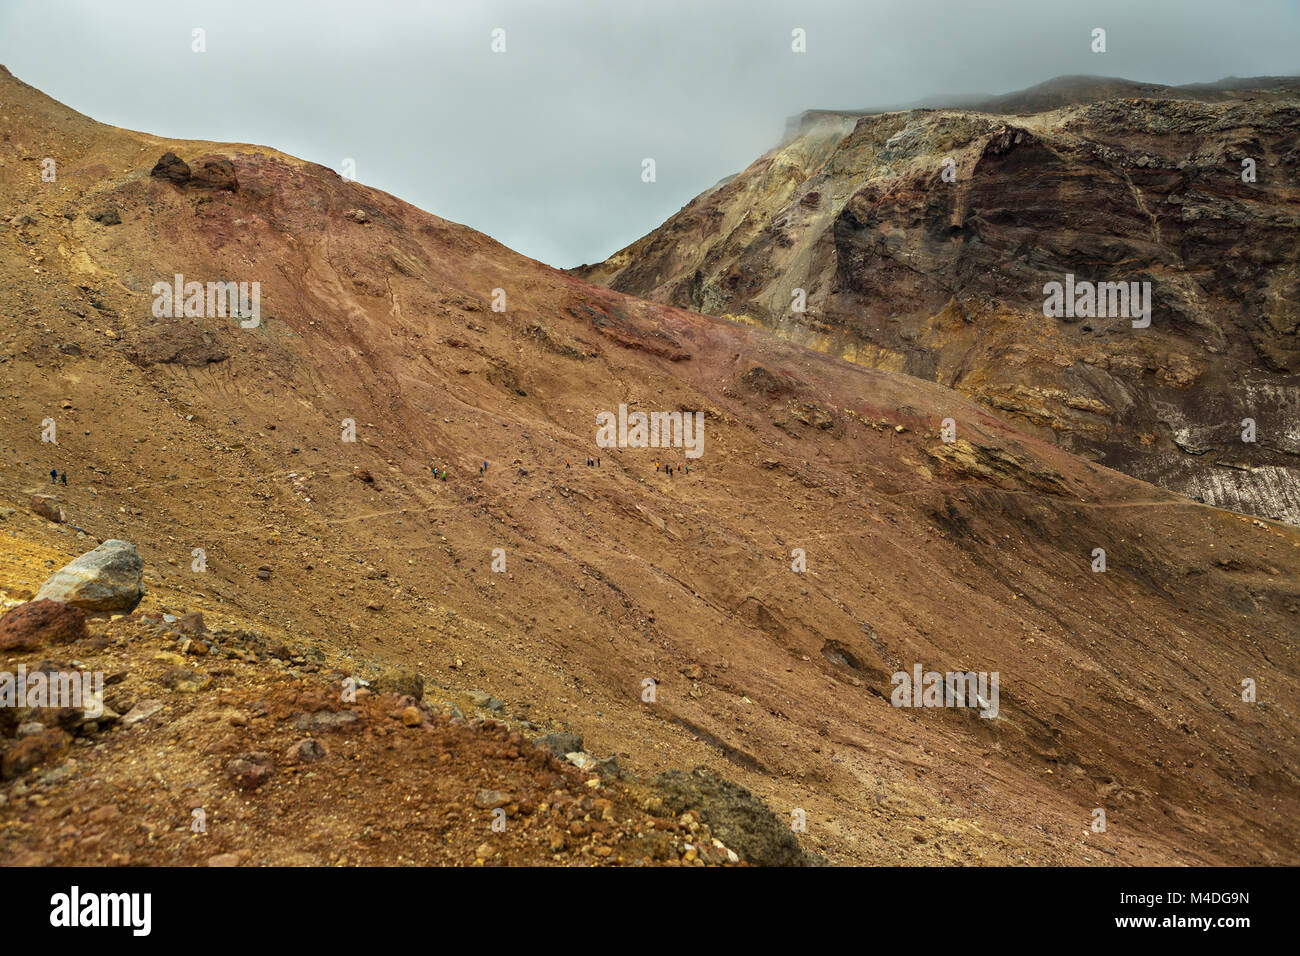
<point>214,173</point>
<point>925,241</point>
<point>171,168</point>
<point>49,508</point>
<point>107,580</point>
<point>39,623</point>
<point>208,172</point>
<point>738,817</point>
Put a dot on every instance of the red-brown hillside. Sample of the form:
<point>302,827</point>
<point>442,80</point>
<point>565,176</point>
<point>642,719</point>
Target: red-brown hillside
<point>1119,690</point>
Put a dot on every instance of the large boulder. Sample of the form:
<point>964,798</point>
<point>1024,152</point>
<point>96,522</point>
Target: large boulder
<point>49,508</point>
<point>172,168</point>
<point>31,626</point>
<point>106,580</point>
<point>208,172</point>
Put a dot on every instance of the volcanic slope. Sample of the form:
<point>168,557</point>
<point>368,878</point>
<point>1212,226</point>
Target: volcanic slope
<point>923,241</point>
<point>1119,690</point>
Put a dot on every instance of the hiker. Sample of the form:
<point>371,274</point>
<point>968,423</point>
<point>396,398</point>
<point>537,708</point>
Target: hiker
<point>435,472</point>
<point>63,476</point>
<point>566,463</point>
<point>54,476</point>
<point>444,474</point>
<point>597,462</point>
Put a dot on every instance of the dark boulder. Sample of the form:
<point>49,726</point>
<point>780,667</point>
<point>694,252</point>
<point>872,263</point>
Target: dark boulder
<point>171,168</point>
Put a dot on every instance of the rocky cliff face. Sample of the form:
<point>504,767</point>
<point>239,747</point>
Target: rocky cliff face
<point>925,241</point>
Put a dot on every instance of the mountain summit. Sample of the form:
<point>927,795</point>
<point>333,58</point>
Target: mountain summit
<point>929,241</point>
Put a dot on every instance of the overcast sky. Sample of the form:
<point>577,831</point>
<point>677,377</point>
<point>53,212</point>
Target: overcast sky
<point>541,146</point>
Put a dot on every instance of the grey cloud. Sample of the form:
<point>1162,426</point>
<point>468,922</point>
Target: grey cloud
<point>541,147</point>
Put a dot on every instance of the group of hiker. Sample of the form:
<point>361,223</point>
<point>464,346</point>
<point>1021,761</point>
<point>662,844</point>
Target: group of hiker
<point>440,472</point>
<point>592,462</point>
<point>668,468</point>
